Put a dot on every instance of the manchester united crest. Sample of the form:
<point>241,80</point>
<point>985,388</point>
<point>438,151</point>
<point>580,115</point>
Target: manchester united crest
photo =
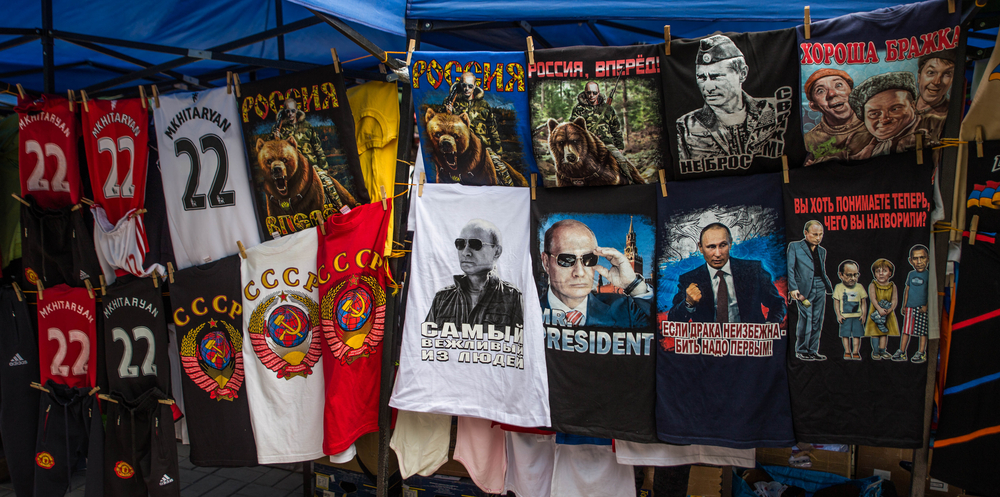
<point>353,317</point>
<point>212,356</point>
<point>282,331</point>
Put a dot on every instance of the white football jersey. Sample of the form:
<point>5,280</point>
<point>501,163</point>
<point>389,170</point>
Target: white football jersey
<point>204,170</point>
<point>121,247</point>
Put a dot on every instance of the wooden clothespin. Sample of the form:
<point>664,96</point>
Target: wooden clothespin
<point>20,91</point>
<point>666,42</point>
<point>420,189</point>
<point>17,291</point>
<point>107,398</point>
<point>531,51</point>
<point>951,6</point>
<point>534,180</point>
<point>229,82</point>
<point>38,386</point>
<point>381,190</point>
<point>104,287</point>
<point>920,148</point>
<point>784,167</point>
<point>170,271</point>
<point>156,279</point>
<point>142,96</point>
<point>973,229</point>
<point>381,68</point>
<point>806,25</point>
<point>90,288</point>
<point>87,201</point>
<point>137,213</point>
<point>663,182</point>
<point>83,95</point>
<point>236,84</point>
<point>93,390</point>
<point>336,60</point>
<point>979,141</point>
<point>409,50</point>
<point>76,207</point>
<point>156,97</point>
<point>322,228</point>
<point>19,199</point>
<point>72,100</point>
<point>243,250</point>
<point>38,285</point>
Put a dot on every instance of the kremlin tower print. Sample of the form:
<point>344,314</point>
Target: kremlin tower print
<point>631,253</point>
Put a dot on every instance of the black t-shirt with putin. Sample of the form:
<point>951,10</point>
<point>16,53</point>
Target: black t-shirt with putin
<point>752,75</point>
<point>588,247</point>
<point>875,213</point>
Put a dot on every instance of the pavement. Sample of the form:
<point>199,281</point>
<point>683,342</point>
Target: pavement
<point>276,480</point>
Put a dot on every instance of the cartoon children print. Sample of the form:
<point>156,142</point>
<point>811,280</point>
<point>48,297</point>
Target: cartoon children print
<point>882,318</point>
<point>850,301</point>
<point>915,306</point>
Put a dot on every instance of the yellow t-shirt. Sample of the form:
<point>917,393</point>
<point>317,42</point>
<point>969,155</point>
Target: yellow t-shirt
<point>375,106</point>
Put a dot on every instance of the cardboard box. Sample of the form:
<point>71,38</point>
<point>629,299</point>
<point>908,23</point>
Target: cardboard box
<point>705,481</point>
<point>872,459</point>
<point>329,481</point>
<point>441,486</point>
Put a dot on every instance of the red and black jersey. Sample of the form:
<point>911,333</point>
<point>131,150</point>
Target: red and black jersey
<point>353,321</point>
<point>116,136</point>
<point>67,330</point>
<point>49,165</point>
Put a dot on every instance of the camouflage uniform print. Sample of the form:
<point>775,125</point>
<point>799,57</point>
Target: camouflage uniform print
<point>311,147</point>
<point>602,120</point>
<point>484,125</point>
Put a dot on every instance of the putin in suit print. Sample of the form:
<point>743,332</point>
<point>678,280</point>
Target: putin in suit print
<point>725,289</point>
<point>808,285</point>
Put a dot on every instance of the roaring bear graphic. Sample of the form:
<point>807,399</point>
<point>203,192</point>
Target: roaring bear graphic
<point>292,184</point>
<point>459,155</point>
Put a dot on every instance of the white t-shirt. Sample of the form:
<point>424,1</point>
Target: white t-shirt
<point>590,471</point>
<point>487,360</point>
<point>640,454</point>
<point>121,245</point>
<point>421,442</point>
<point>282,348</point>
<point>530,458</point>
<point>204,170</point>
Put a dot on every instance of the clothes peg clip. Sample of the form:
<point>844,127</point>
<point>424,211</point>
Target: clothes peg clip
<point>531,51</point>
<point>666,42</point>
<point>38,285</point>
<point>38,386</point>
<point>979,141</point>
<point>142,96</point>
<point>920,149</point>
<point>806,25</point>
<point>420,189</point>
<point>156,97</point>
<point>336,60</point>
<point>107,398</point>
<point>951,6</point>
<point>104,287</point>
<point>243,250</point>
<point>72,100</point>
<point>534,179</point>
<point>170,271</point>
<point>229,82</point>
<point>76,207</point>
<point>93,390</point>
<point>156,279</point>
<point>322,228</point>
<point>236,84</point>
<point>90,288</point>
<point>20,91</point>
<point>663,182</point>
<point>137,213</point>
<point>19,199</point>
<point>409,51</point>
<point>972,230</point>
<point>784,167</point>
<point>83,95</point>
<point>381,190</point>
<point>87,201</point>
<point>17,291</point>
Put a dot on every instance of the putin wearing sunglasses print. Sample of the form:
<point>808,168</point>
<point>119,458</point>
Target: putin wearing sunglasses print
<point>479,296</point>
<point>570,258</point>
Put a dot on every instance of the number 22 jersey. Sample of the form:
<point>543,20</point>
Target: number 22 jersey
<point>204,171</point>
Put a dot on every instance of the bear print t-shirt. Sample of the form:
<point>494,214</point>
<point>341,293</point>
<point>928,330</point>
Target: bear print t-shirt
<point>585,128</point>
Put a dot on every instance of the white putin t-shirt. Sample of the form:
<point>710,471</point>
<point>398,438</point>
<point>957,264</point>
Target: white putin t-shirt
<point>282,348</point>
<point>488,360</point>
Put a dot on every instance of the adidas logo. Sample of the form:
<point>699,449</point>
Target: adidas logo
<point>17,360</point>
<point>166,480</point>
<point>84,275</point>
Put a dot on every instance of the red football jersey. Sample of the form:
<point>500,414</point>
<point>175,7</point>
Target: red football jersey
<point>67,331</point>
<point>116,134</point>
<point>352,277</point>
<point>50,168</point>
